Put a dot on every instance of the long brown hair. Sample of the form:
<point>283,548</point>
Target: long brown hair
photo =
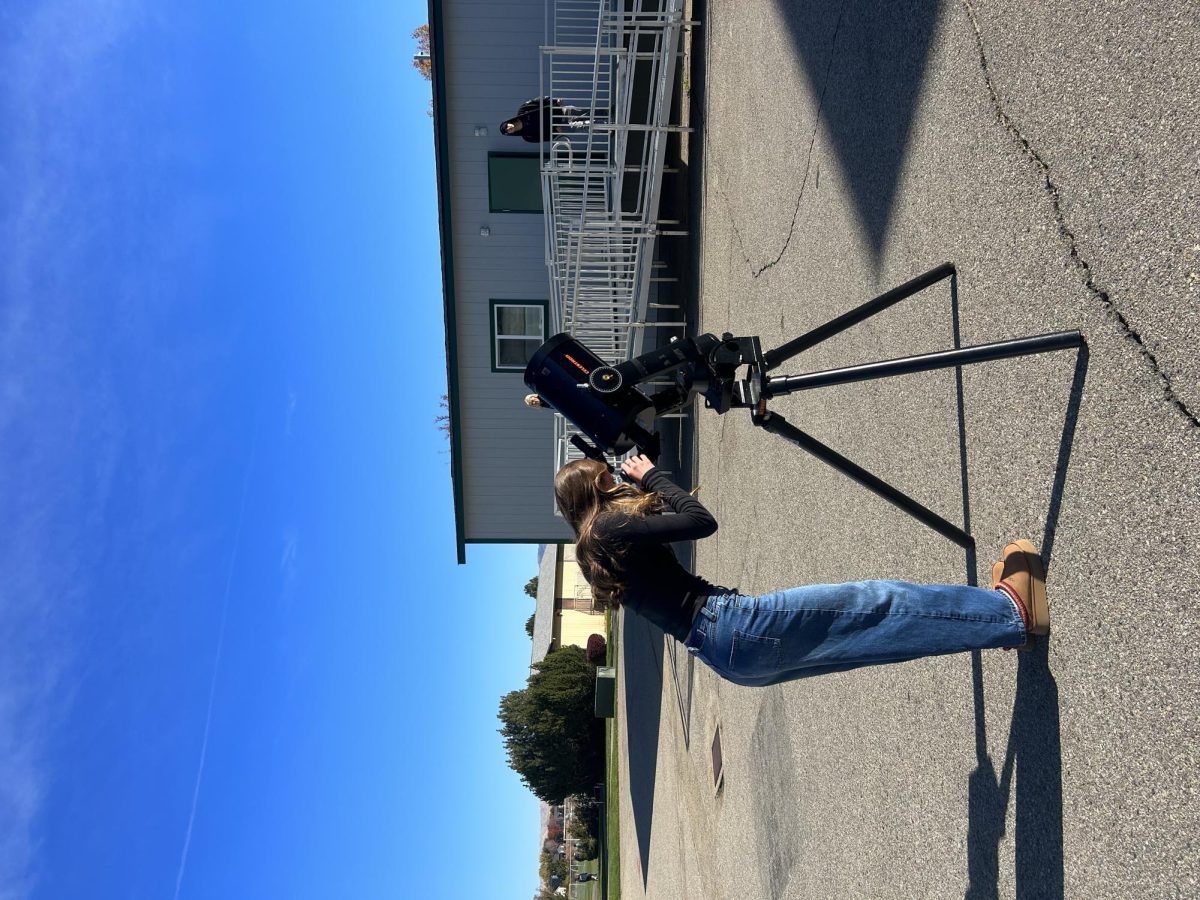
<point>583,499</point>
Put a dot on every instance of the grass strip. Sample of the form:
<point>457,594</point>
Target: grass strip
<point>612,782</point>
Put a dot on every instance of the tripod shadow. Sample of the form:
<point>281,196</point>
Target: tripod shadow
<point>865,62</point>
<point>1064,454</point>
<point>1065,444</point>
<point>1034,748</point>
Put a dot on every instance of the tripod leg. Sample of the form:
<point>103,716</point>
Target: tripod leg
<point>777,385</point>
<point>777,424</point>
<point>783,353</point>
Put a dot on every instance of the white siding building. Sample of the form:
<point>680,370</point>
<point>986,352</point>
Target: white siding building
<point>496,289</point>
<point>603,177</point>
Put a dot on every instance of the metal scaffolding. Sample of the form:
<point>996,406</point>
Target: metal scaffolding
<point>608,67</point>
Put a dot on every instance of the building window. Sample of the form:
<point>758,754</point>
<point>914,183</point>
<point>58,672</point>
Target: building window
<point>518,329</point>
<point>514,183</point>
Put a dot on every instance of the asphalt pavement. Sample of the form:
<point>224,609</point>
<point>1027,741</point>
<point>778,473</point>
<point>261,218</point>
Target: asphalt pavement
<point>1051,151</point>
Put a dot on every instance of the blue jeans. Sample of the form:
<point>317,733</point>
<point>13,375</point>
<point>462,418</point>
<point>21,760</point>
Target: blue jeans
<point>823,628</point>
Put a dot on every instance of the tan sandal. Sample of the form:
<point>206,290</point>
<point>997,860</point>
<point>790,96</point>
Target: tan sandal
<point>1020,570</point>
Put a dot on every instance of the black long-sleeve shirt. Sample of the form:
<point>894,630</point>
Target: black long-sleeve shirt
<point>656,585</point>
<point>535,116</point>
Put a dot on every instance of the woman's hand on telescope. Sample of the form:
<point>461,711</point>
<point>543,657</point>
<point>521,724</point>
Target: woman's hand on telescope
<point>636,467</point>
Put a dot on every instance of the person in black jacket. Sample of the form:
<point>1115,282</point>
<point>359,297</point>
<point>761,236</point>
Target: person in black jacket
<point>541,118</point>
<point>622,545</point>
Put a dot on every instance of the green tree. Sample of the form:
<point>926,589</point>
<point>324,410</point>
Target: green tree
<point>529,625</point>
<point>553,738</point>
<point>531,587</point>
<point>552,865</point>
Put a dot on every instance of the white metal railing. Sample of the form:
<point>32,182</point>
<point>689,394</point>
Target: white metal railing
<point>609,67</point>
<point>564,450</point>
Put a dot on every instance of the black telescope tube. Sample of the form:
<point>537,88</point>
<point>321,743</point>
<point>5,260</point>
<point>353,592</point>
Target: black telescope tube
<point>561,370</point>
<point>655,362</point>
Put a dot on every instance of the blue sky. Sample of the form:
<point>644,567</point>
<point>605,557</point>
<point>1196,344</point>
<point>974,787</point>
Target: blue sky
<point>237,658</point>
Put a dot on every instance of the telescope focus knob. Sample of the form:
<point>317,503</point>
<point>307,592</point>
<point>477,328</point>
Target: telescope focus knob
<point>605,380</point>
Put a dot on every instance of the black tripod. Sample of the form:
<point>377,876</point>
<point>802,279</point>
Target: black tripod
<point>709,365</point>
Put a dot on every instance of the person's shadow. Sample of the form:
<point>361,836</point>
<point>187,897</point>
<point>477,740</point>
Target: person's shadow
<point>1034,751</point>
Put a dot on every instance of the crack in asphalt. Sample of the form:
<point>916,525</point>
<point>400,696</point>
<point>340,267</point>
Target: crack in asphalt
<point>837,28</point>
<point>1089,282</point>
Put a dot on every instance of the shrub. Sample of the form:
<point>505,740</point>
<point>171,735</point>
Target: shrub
<point>597,649</point>
<point>553,738</point>
<point>586,821</point>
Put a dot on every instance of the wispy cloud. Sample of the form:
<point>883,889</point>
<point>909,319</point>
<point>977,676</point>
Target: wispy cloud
<point>21,782</point>
<point>293,400</point>
<point>289,568</point>
<point>287,559</point>
<point>217,657</point>
<point>289,555</point>
<point>52,402</point>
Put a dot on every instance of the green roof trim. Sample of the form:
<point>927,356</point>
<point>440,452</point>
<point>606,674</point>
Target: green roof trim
<point>441,133</point>
<point>557,539</point>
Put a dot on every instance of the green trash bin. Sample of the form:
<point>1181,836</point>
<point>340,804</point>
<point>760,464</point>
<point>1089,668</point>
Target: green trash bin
<point>606,692</point>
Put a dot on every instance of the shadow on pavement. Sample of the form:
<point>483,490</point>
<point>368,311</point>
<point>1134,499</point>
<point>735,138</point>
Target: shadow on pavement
<point>642,658</point>
<point>1034,744</point>
<point>1064,454</point>
<point>1035,751</point>
<point>1065,443</point>
<point>643,651</point>
<point>865,63</point>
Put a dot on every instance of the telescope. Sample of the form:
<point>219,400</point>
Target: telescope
<point>604,402</point>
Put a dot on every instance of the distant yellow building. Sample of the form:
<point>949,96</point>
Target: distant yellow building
<point>566,614</point>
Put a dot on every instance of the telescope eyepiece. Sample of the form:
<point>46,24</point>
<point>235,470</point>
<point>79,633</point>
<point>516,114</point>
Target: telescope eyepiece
<point>605,380</point>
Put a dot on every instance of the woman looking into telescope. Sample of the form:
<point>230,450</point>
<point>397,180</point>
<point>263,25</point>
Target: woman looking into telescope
<point>622,535</point>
